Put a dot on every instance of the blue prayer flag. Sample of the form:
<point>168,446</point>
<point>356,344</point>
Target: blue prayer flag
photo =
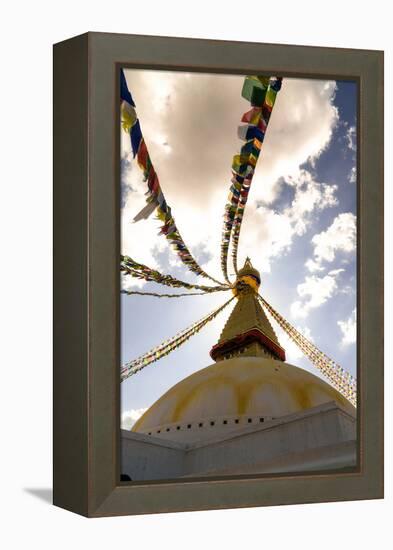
<point>136,137</point>
<point>124,91</point>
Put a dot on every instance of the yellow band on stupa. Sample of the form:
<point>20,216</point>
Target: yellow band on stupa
<point>248,280</point>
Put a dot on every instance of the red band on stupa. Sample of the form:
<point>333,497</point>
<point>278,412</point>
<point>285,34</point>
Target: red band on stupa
<point>254,335</point>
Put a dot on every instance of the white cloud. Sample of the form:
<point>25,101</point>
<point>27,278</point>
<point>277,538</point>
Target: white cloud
<point>335,272</point>
<point>267,233</point>
<point>190,125</point>
<point>309,196</point>
<point>128,418</point>
<point>348,329</point>
<point>351,138</point>
<point>200,113</point>
<point>339,236</point>
<point>352,175</point>
<point>314,292</point>
<point>313,266</point>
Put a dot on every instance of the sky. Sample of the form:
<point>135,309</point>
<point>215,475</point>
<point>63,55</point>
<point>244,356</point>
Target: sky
<point>299,227</point>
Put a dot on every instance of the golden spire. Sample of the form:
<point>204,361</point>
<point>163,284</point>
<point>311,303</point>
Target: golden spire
<point>248,331</point>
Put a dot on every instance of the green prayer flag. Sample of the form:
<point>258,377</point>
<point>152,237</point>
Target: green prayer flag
<point>254,91</point>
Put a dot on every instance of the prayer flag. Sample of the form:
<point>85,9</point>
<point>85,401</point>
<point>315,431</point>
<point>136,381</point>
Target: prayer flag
<point>136,137</point>
<point>142,154</point>
<point>146,211</point>
<point>128,116</point>
<point>124,91</point>
<point>252,116</point>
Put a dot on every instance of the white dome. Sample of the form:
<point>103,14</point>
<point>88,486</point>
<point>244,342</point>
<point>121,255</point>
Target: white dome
<point>232,393</point>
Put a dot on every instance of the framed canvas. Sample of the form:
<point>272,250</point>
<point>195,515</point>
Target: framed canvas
<point>138,432</point>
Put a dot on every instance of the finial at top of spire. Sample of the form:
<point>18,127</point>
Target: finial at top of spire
<point>247,263</point>
<point>248,268</point>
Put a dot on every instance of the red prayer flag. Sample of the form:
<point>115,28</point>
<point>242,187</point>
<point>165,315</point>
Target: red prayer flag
<point>142,154</point>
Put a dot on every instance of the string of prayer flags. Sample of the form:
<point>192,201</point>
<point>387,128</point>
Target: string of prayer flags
<point>168,346</point>
<point>256,132</point>
<point>141,271</point>
<point>157,295</point>
<point>261,92</point>
<point>340,379</point>
<point>155,197</point>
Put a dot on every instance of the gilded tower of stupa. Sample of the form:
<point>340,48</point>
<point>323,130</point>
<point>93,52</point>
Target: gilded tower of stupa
<point>248,331</point>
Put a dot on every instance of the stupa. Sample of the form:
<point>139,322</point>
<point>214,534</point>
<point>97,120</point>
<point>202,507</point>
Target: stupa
<point>249,411</point>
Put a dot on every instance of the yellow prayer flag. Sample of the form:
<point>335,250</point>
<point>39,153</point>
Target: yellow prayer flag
<point>128,116</point>
<point>270,97</point>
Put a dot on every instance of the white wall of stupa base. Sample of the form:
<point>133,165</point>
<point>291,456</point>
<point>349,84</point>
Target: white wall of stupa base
<point>202,428</point>
<point>316,439</point>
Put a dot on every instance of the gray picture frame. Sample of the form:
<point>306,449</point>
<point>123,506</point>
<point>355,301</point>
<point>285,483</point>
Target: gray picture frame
<point>86,389</point>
